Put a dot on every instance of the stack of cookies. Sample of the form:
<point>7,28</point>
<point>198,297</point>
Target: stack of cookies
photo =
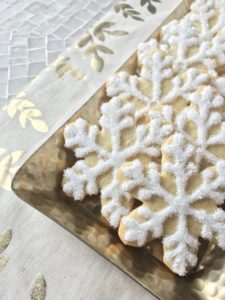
<point>161,141</point>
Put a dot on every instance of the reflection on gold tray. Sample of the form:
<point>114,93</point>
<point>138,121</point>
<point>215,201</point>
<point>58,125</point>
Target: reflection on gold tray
<point>38,182</point>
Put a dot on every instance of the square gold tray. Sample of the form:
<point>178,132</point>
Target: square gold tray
<point>38,182</point>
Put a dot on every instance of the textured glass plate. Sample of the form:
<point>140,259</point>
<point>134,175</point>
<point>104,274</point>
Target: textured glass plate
<point>38,182</point>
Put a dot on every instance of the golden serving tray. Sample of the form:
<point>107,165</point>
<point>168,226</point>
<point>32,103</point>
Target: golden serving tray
<point>38,182</point>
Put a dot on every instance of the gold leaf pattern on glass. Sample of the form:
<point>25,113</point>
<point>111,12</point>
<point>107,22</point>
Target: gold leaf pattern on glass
<point>28,113</point>
<point>92,48</point>
<point>38,290</point>
<point>5,239</point>
<point>63,65</point>
<point>8,168</point>
<point>150,6</point>
<point>127,10</point>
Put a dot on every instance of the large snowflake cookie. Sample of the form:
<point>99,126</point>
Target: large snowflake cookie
<point>106,148</point>
<point>208,17</point>
<point>156,86</point>
<point>186,47</point>
<point>202,123</point>
<point>190,49</point>
<point>179,203</point>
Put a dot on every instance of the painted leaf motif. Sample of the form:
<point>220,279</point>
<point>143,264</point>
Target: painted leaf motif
<point>34,113</point>
<point>39,125</point>
<point>100,35</point>
<point>25,104</point>
<point>62,69</point>
<point>88,51</point>
<point>104,49</point>
<point>17,104</point>
<point>11,109</point>
<point>3,262</point>
<point>127,10</point>
<point>118,32</point>
<point>27,113</point>
<point>102,26</point>
<point>38,290</point>
<point>117,8</point>
<point>78,74</point>
<point>91,46</point>
<point>83,41</point>
<point>143,2</point>
<point>5,239</point>
<point>133,12</point>
<point>63,66</point>
<point>150,7</point>
<point>23,119</point>
<point>97,63</point>
<point>138,19</point>
<point>7,168</point>
<point>99,30</point>
<point>15,155</point>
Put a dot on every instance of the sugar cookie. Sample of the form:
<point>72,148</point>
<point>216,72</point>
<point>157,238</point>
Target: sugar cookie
<point>208,17</point>
<point>197,40</point>
<point>202,124</point>
<point>105,149</point>
<point>179,204</point>
<point>185,46</point>
<point>216,50</point>
<point>156,88</point>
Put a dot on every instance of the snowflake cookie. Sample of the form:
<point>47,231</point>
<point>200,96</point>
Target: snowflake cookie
<point>192,47</point>
<point>185,46</point>
<point>104,149</point>
<point>208,17</point>
<point>216,51</point>
<point>179,204</point>
<point>156,86</point>
<point>219,83</point>
<point>202,124</point>
<point>146,51</point>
